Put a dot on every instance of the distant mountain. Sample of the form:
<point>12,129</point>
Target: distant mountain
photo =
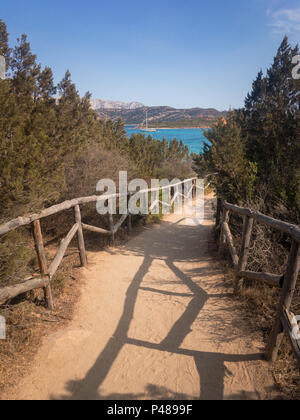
<point>162,114</point>
<point>99,104</point>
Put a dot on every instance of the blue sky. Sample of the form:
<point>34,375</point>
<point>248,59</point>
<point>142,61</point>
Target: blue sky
<point>182,53</point>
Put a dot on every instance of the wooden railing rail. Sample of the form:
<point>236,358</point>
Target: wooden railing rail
<point>66,205</point>
<point>290,229</point>
<point>286,281</point>
<point>47,273</point>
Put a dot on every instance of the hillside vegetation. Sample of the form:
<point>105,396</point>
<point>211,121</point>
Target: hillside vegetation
<point>190,123</point>
<point>165,116</point>
<point>257,152</point>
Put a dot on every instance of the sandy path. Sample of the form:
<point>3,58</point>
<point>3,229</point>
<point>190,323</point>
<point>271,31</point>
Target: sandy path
<point>155,320</point>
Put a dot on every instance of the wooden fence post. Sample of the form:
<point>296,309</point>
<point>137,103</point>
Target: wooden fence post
<point>39,246</point>
<point>81,245</point>
<point>218,219</point>
<point>222,241</point>
<point>219,211</point>
<point>243,257</point>
<point>289,285</point>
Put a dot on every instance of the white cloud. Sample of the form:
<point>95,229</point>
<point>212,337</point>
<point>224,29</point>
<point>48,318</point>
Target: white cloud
<point>285,21</point>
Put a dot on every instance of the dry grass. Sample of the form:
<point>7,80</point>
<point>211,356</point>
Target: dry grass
<point>28,321</point>
<point>261,302</point>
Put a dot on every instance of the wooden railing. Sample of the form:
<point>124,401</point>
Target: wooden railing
<point>47,272</point>
<point>286,281</point>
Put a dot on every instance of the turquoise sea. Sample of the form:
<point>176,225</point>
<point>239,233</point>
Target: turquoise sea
<point>192,137</point>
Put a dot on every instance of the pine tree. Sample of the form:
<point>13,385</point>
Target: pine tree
<point>271,114</point>
<point>25,70</point>
<point>225,155</point>
<point>267,141</point>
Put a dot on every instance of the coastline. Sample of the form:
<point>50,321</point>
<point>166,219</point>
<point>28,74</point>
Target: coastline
<point>180,128</point>
<point>175,128</point>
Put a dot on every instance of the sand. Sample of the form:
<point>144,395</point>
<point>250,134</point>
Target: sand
<point>155,321</point>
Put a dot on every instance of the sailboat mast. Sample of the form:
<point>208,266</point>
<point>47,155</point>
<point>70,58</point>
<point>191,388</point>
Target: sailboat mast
<point>146,129</point>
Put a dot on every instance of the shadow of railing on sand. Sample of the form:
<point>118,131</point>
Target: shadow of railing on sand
<point>210,365</point>
<point>212,386</point>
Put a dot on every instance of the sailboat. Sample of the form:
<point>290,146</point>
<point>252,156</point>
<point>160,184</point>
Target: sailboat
<point>151,130</point>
